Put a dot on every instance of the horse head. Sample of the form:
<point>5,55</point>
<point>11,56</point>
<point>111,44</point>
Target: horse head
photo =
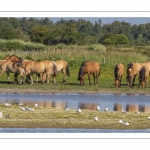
<point>7,57</point>
<point>15,58</point>
<point>130,74</point>
<point>81,74</point>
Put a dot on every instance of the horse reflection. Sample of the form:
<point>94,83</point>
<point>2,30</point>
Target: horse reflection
<point>132,108</point>
<point>89,106</point>
<point>117,107</point>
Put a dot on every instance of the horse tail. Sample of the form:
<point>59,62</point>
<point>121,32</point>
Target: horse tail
<point>142,74</point>
<point>67,70</point>
<point>116,70</point>
<point>54,68</point>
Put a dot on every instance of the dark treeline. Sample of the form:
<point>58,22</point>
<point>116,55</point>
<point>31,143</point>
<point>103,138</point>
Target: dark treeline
<point>81,32</point>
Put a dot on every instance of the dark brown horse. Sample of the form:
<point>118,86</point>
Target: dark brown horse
<point>89,67</point>
<point>118,72</point>
<point>143,76</point>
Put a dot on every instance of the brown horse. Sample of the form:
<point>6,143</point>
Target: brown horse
<point>8,67</point>
<point>89,67</point>
<point>63,67</point>
<point>45,67</point>
<point>132,71</point>
<point>118,72</point>
<point>143,76</point>
<point>24,61</point>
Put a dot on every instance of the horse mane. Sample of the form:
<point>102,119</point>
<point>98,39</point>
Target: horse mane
<point>130,65</point>
<point>18,64</point>
<point>81,70</point>
<point>13,55</point>
<point>142,73</point>
<point>116,70</point>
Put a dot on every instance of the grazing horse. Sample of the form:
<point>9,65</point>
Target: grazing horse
<point>8,67</point>
<point>143,76</point>
<point>132,71</point>
<point>43,68</point>
<point>89,67</point>
<point>118,72</point>
<point>63,67</point>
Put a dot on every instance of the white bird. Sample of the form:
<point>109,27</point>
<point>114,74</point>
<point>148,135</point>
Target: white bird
<point>30,109</point>
<point>26,108</point>
<point>148,118</point>
<point>66,108</point>
<point>20,104</point>
<point>106,109</point>
<point>126,123</point>
<point>36,105</point>
<point>79,110</point>
<point>120,121</point>
<point>22,108</point>
<point>7,104</point>
<point>137,112</point>
<point>98,108</point>
<point>96,119</point>
<point>123,110</point>
<point>1,114</point>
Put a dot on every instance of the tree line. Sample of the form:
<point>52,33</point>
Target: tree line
<point>80,32</point>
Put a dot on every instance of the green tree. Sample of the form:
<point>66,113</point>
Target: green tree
<point>116,39</point>
<point>39,33</point>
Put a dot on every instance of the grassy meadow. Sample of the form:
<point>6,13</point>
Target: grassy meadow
<point>108,57</point>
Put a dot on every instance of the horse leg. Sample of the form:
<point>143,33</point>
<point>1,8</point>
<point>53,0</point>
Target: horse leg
<point>8,77</point>
<point>31,77</point>
<point>64,75</point>
<point>97,78</point>
<point>16,77</point>
<point>47,78</point>
<point>89,78</point>
<point>146,82</point>
<point>94,79</point>
<point>54,79</point>
<point>27,79</point>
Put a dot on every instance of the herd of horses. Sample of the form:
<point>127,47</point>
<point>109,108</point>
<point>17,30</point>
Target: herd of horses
<point>26,68</point>
<point>141,70</point>
<point>46,68</point>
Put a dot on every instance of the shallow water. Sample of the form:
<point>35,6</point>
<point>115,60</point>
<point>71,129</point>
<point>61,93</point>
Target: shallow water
<point>84,101</point>
<point>72,130</point>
